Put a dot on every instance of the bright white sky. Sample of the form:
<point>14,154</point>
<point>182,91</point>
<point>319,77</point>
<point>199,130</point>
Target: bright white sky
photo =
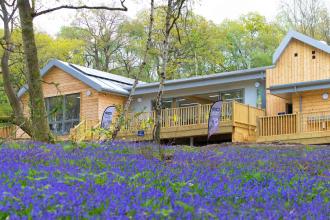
<point>215,10</point>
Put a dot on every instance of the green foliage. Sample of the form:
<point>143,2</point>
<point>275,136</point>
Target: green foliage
<point>69,50</point>
<point>187,208</point>
<point>249,41</point>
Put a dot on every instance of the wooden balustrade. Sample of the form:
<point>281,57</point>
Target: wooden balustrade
<point>7,130</point>
<point>277,125</point>
<point>247,114</point>
<point>315,121</point>
<point>175,117</point>
<point>304,122</point>
<point>83,131</point>
<point>232,112</point>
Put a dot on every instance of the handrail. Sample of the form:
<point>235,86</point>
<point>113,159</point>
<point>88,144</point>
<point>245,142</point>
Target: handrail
<point>300,122</point>
<point>7,130</point>
<point>84,130</point>
<point>175,117</point>
<point>277,125</point>
<point>233,112</point>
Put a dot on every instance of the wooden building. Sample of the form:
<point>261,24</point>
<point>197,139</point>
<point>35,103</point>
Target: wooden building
<point>80,95</point>
<point>287,101</point>
<point>77,93</point>
<point>298,87</point>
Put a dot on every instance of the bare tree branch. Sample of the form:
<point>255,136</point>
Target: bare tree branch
<point>122,8</point>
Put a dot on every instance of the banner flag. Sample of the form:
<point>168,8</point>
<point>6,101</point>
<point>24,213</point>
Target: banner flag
<point>107,117</point>
<point>214,118</point>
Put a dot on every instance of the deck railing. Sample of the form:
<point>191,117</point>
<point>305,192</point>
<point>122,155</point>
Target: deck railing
<point>315,121</point>
<point>83,131</point>
<point>172,118</point>
<point>7,130</point>
<point>246,114</point>
<point>304,122</point>
<point>277,125</point>
<point>175,117</point>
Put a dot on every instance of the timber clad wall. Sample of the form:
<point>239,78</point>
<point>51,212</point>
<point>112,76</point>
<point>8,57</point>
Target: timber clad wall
<point>296,64</point>
<point>311,101</point>
<point>106,100</point>
<point>57,82</point>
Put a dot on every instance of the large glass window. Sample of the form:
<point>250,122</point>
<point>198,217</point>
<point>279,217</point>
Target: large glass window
<point>233,95</point>
<point>63,113</point>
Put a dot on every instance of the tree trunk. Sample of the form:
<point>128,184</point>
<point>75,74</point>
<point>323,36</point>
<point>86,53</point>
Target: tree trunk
<point>18,117</point>
<point>136,80</point>
<point>40,127</point>
<point>157,127</point>
<point>97,59</point>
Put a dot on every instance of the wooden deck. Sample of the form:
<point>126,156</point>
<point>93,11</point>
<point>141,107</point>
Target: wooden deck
<point>304,128</point>
<point>237,119</point>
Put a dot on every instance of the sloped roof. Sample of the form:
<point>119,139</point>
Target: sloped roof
<point>206,80</point>
<point>98,80</point>
<point>301,37</point>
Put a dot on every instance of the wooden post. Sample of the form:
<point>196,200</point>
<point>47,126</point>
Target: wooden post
<point>248,120</point>
<point>257,126</point>
<point>191,141</point>
<point>298,123</point>
<point>233,112</point>
<point>199,114</point>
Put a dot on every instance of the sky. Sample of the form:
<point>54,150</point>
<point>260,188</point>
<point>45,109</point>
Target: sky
<point>214,10</point>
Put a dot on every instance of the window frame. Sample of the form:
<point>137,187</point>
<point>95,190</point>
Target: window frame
<point>63,121</point>
<point>242,90</point>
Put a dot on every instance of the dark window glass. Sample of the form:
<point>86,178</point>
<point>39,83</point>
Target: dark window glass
<point>63,113</point>
<point>55,109</point>
<point>233,95</point>
<point>289,108</point>
<point>72,106</point>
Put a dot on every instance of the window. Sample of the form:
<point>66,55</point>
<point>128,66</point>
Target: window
<point>63,113</point>
<point>233,95</point>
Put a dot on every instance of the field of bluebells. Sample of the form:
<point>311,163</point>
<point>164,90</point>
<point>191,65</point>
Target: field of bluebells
<point>123,180</point>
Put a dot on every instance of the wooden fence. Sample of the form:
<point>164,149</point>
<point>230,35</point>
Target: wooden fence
<point>277,125</point>
<point>305,122</point>
<point>7,131</point>
<point>246,114</point>
<point>232,112</point>
<point>175,117</point>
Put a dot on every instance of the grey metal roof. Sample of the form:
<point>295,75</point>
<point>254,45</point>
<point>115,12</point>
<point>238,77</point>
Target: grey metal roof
<point>301,37</point>
<point>105,82</point>
<point>105,75</point>
<point>207,80</point>
<point>98,80</point>
<point>300,86</point>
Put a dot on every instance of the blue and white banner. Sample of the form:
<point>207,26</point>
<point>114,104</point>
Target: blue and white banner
<point>107,117</point>
<point>214,118</point>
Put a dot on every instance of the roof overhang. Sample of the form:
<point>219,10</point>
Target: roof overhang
<point>98,86</point>
<point>208,80</point>
<point>286,90</point>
